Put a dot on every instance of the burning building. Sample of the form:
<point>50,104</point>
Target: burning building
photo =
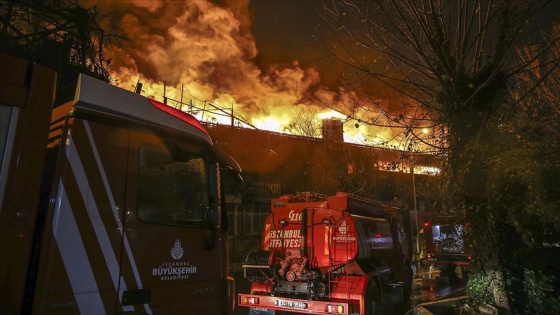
<point>275,164</point>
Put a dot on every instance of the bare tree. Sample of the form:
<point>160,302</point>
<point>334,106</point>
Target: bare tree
<point>454,58</point>
<point>305,123</point>
<point>447,56</point>
<point>64,35</point>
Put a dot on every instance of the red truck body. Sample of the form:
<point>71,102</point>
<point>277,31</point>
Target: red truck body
<point>328,255</point>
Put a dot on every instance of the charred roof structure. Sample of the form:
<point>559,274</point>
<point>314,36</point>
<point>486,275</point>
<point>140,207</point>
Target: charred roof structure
<point>281,163</point>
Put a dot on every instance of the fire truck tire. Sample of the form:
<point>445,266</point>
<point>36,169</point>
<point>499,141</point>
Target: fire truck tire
<point>372,299</point>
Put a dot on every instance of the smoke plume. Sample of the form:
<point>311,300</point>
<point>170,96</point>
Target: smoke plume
<point>204,53</point>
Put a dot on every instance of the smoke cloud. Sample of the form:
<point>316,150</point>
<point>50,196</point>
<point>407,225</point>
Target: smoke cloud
<point>204,53</point>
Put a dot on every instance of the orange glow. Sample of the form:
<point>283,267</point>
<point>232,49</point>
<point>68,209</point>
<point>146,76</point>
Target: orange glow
<point>269,123</point>
<point>204,53</point>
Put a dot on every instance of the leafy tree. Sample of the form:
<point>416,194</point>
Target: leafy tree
<point>64,35</point>
<point>455,59</point>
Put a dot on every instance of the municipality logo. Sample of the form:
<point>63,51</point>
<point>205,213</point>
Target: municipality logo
<point>342,229</point>
<point>177,250</point>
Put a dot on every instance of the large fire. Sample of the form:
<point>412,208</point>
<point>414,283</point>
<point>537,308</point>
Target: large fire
<point>197,56</point>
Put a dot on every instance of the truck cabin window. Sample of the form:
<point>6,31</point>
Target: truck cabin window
<point>448,238</point>
<point>172,185</point>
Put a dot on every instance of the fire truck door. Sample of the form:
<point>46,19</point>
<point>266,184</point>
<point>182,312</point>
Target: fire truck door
<point>169,194</point>
<point>79,266</point>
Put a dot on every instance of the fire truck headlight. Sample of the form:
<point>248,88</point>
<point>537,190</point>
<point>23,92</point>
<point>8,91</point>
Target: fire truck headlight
<point>335,309</point>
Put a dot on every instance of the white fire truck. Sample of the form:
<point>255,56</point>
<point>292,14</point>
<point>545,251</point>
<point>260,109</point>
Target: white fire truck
<point>114,209</point>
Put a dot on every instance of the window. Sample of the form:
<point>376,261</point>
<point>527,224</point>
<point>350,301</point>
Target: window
<point>173,186</point>
<point>448,238</point>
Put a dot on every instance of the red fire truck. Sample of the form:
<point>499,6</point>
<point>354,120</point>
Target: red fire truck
<point>444,239</point>
<point>114,210</point>
<point>336,254</point>
<point>445,248</point>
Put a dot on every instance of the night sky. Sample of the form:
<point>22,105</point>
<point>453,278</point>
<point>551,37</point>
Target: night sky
<point>286,31</point>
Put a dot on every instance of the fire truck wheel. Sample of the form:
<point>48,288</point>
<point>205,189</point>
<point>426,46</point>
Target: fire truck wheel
<point>372,299</point>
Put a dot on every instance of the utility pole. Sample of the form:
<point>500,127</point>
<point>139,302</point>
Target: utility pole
<point>415,207</point>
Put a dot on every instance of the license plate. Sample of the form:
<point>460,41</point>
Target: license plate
<point>291,304</point>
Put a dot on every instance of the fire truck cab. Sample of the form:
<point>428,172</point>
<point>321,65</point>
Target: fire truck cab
<point>116,209</point>
<point>445,242</point>
<point>445,247</point>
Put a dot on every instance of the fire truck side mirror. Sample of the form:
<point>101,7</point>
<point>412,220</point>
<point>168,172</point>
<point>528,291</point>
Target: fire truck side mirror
<point>230,174</point>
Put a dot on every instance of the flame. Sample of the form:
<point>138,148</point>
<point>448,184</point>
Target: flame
<point>332,114</point>
<point>269,123</point>
<point>197,56</point>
